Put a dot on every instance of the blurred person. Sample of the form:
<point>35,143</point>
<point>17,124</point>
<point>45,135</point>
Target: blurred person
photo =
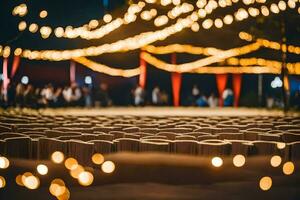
<point>212,100</point>
<point>47,94</point>
<point>86,93</point>
<point>164,97</point>
<point>72,95</point>
<point>156,96</point>
<point>10,98</point>
<point>195,92</point>
<point>139,96</point>
<point>30,99</point>
<point>19,97</point>
<point>58,99</point>
<point>202,101</point>
<point>101,96</point>
<point>227,97</point>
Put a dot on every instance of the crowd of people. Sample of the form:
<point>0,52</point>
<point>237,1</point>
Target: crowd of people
<point>21,95</point>
<point>26,95</point>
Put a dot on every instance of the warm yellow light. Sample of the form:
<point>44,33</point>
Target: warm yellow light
<point>59,32</point>
<point>107,18</point>
<point>228,19</point>
<point>288,168</point>
<point>33,28</point>
<point>85,178</point>
<point>282,5</point>
<point>108,167</point>
<point>45,31</point>
<point>22,26</point>
<point>57,157</point>
<point>265,11</point>
<point>265,183</point>
<point>195,27</point>
<point>201,13</point>
<point>275,161</point>
<point>57,187</point>
<point>43,14</point>
<point>201,3</point>
<point>65,195</point>
<point>239,160</point>
<point>281,145</point>
<point>217,162</point>
<point>274,8</point>
<point>4,162</point>
<point>2,182</point>
<point>75,172</point>
<point>98,158</point>
<point>176,2</point>
<point>207,23</point>
<point>19,180</point>
<point>42,169</point>
<point>31,182</point>
<point>161,20</point>
<point>218,23</point>
<point>71,163</point>
<point>93,23</point>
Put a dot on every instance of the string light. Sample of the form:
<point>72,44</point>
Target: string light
<point>108,167</point>
<point>275,161</point>
<point>201,62</point>
<point>33,28</point>
<point>288,168</point>
<point>43,14</point>
<point>269,44</point>
<point>107,70</point>
<point>217,162</point>
<point>265,183</point>
<point>20,10</point>
<point>2,182</point>
<point>98,159</point>
<point>57,157</point>
<point>22,26</point>
<point>4,162</point>
<point>42,169</point>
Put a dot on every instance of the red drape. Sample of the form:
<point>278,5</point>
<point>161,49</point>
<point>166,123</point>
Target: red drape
<point>143,73</point>
<point>15,66</point>
<point>221,84</point>
<point>72,71</point>
<point>5,74</point>
<point>236,84</point>
<point>176,83</point>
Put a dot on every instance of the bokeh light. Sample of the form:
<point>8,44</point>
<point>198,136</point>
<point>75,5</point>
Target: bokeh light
<point>57,187</point>
<point>31,182</point>
<point>42,169</point>
<point>85,178</point>
<point>71,163</point>
<point>239,160</point>
<point>217,162</point>
<point>4,162</point>
<point>265,183</point>
<point>280,145</point>
<point>19,180</point>
<point>108,167</point>
<point>75,172</point>
<point>57,157</point>
<point>275,161</point>
<point>288,168</point>
<point>2,182</point>
<point>98,158</point>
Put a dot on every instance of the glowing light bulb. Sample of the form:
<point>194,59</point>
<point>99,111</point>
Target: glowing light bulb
<point>108,167</point>
<point>275,161</point>
<point>265,183</point>
<point>288,168</point>
<point>217,162</point>
<point>42,169</point>
<point>107,18</point>
<point>57,157</point>
<point>4,163</point>
<point>43,14</point>
<point>85,178</point>
<point>239,160</point>
<point>98,158</point>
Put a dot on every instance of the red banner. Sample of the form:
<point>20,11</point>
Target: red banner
<point>15,66</point>
<point>236,84</point>
<point>176,83</point>
<point>143,73</point>
<point>221,84</point>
